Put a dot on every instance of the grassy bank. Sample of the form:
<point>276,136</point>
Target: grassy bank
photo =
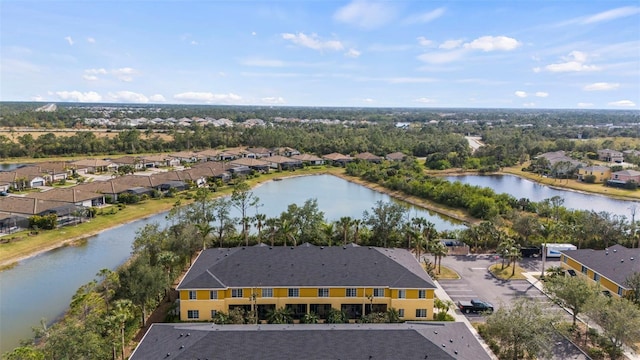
<point>505,274</point>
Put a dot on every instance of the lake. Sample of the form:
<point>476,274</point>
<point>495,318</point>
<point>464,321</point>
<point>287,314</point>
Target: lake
<point>524,188</point>
<point>42,286</point>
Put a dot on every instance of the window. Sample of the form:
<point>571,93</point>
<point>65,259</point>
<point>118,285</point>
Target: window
<point>213,294</point>
<point>402,294</point>
<point>192,294</point>
<point>236,293</point>
<point>564,259</point>
<point>267,292</point>
<point>421,313</point>
<point>352,292</point>
<point>323,292</point>
<point>294,292</point>
<point>620,290</point>
<point>401,313</point>
<point>596,276</point>
<point>422,294</point>
<point>379,292</point>
<point>584,269</point>
<point>214,313</point>
<point>193,314</point>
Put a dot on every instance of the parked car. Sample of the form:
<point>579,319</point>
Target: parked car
<point>475,306</point>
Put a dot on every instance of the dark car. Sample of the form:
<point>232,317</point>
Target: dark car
<point>475,306</point>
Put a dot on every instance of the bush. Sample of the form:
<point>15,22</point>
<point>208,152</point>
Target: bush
<point>589,179</point>
<point>443,316</point>
<point>596,353</point>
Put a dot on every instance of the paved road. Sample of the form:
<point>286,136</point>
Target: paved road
<point>477,282</point>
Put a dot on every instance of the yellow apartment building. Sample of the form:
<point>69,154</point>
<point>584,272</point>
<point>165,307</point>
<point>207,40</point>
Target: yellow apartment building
<point>609,268</point>
<point>306,279</point>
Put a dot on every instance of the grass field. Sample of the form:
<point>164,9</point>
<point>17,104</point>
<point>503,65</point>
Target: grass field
<point>505,274</point>
<point>14,134</point>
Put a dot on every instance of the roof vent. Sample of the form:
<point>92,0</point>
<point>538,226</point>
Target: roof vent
<point>606,252</point>
<point>181,347</point>
<point>321,247</point>
<point>188,334</point>
<point>450,340</point>
<point>615,250</point>
<point>621,260</point>
<point>632,258</point>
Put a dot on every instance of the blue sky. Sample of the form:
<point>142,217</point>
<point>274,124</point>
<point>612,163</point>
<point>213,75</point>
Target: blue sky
<point>485,54</point>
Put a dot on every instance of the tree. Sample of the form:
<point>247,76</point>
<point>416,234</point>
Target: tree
<point>344,224</point>
<point>633,282</point>
<point>439,250</point>
<point>26,352</point>
<point>523,331</point>
<point>242,199</point>
<point>222,209</point>
<point>110,282</point>
<point>385,220</point>
<point>619,321</point>
<point>281,315</point>
<point>571,292</point>
<point>122,312</point>
<point>260,219</point>
<point>141,283</point>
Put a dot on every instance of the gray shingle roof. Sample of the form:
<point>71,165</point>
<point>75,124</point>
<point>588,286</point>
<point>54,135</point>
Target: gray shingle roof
<point>306,265</point>
<point>439,341</point>
<point>613,263</point>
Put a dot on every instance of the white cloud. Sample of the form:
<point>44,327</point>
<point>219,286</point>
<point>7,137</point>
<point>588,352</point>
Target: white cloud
<point>584,104</point>
<point>193,42</point>
<point>90,77</point>
<point>77,96</point>
<point>124,74</point>
<point>450,44</point>
<point>520,94</point>
<point>423,41</point>
<point>425,17</point>
<point>368,101</point>
<point>574,62</point>
<point>273,100</point>
<point>492,43</point>
<point>100,71</point>
<point>529,104</point>
<point>129,97</point>
<point>352,53</point>
<point>389,48</point>
<point>542,94</point>
<point>313,42</point>
<point>612,14</point>
<point>157,98</point>
<point>365,14</point>
<point>69,40</point>
<point>622,103</point>
<point>207,97</point>
<point>253,33</point>
<point>442,57</point>
<point>601,86</point>
<point>91,40</point>
<point>424,100</point>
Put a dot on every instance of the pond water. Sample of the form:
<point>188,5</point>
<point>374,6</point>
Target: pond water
<point>524,188</point>
<point>42,286</point>
<point>10,167</point>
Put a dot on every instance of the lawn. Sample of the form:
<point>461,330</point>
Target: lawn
<point>505,274</point>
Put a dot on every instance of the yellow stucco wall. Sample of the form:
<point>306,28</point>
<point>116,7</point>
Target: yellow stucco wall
<point>308,296</point>
<point>604,282</point>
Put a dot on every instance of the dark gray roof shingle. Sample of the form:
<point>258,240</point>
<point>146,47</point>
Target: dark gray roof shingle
<point>439,341</point>
<point>306,265</point>
<point>615,263</point>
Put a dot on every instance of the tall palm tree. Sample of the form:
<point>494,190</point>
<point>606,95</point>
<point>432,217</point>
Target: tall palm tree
<point>356,232</point>
<point>259,220</point>
<point>204,229</point>
<point>272,229</point>
<point>344,224</point>
<point>328,230</point>
<point>439,251</point>
<point>288,231</point>
<point>122,312</point>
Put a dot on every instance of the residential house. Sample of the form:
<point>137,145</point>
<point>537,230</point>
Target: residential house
<point>210,169</point>
<point>258,152</point>
<point>285,151</point>
<point>609,155</point>
<point>185,156</point>
<point>337,159</point>
<point>304,279</point>
<point>601,173</point>
<point>308,159</point>
<point>22,179</point>
<point>10,223</point>
<point>367,156</point>
<point>630,155</point>
<point>252,163</point>
<point>70,195</point>
<point>231,154</point>
<point>609,267</point>
<point>208,155</point>
<point>160,160</point>
<point>283,162</point>
<point>132,161</point>
<point>92,166</point>
<point>560,164</point>
<point>396,156</point>
<point>620,178</point>
<point>54,171</point>
<point>28,207</point>
<point>432,341</point>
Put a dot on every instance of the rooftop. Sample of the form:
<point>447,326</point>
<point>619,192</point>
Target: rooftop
<point>615,263</point>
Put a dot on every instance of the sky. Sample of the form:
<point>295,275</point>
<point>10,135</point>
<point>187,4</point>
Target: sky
<point>458,54</point>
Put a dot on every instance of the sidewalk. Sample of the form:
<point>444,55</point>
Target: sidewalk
<point>442,295</point>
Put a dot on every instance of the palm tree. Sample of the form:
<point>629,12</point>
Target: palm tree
<point>439,251</point>
<point>514,254</point>
<point>204,229</point>
<point>121,314</point>
<point>344,224</point>
<point>288,230</point>
<point>260,220</point>
<point>328,230</point>
<point>272,229</point>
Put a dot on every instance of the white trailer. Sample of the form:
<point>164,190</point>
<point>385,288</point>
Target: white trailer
<point>554,250</point>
